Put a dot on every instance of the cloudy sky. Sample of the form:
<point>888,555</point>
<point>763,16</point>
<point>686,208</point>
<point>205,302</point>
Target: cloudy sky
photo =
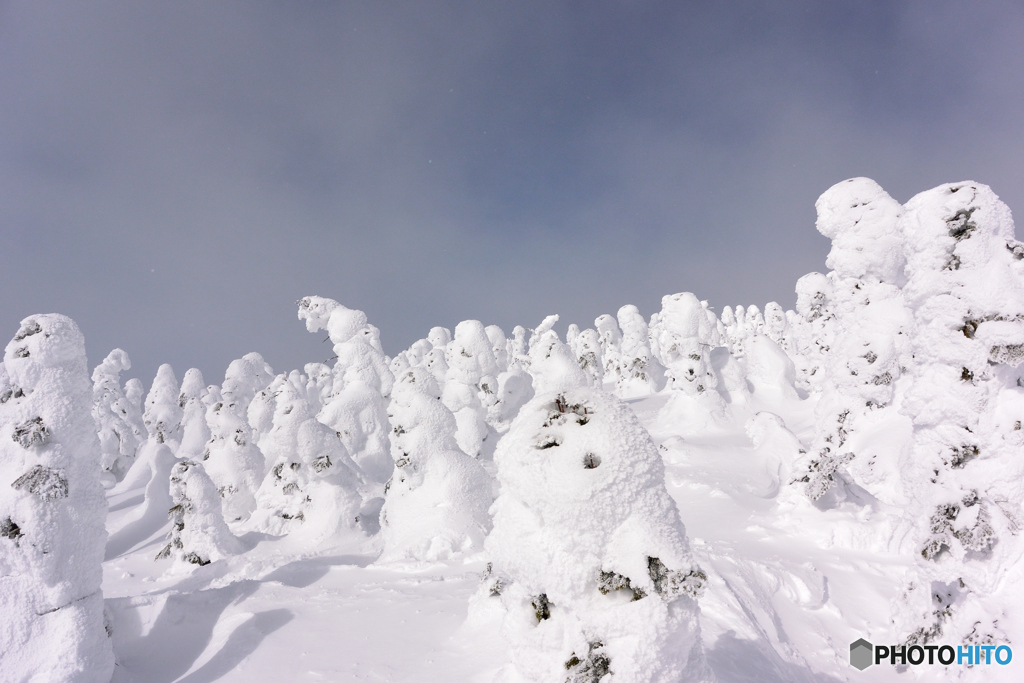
<point>175,175</point>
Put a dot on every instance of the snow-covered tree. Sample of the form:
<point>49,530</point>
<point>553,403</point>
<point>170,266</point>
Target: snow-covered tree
<point>194,430</point>
<point>198,533</point>
<point>52,511</point>
<point>869,325</point>
<point>553,365</point>
<point>312,490</point>
<point>640,372</point>
<point>812,330</point>
<point>163,413</point>
<point>244,378</point>
<point>965,478</point>
<point>610,338</point>
<point>684,337</point>
<point>231,458</point>
<point>590,559</point>
<point>357,406</point>
<point>471,366</point>
<point>115,416</point>
<point>588,355</point>
<point>436,503</point>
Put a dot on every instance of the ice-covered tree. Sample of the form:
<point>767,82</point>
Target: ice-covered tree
<point>640,372</point>
<point>869,326</point>
<point>812,330</point>
<point>610,338</point>
<point>52,511</point>
<point>194,430</point>
<point>163,413</point>
<point>357,406</point>
<point>471,366</point>
<point>118,428</point>
<point>198,533</point>
<point>965,480</point>
<point>436,503</point>
<point>312,490</point>
<point>589,558</point>
<point>553,365</point>
<point>588,355</point>
<point>684,337</point>
<point>231,458</point>
<point>244,378</point>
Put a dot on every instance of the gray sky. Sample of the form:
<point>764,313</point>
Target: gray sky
<point>175,175</point>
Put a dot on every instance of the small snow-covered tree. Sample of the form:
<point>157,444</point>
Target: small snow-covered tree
<point>435,506</point>
<point>163,413</point>
<point>198,534</point>
<point>684,337</point>
<point>118,430</point>
<point>52,511</point>
<point>590,559</point>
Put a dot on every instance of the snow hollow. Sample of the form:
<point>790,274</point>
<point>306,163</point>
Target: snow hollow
<point>706,495</point>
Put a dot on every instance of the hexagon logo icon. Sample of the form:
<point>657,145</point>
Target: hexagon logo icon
<point>861,652</point>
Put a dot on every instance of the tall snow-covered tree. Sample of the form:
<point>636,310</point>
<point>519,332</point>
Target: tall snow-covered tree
<point>870,325</point>
<point>471,365</point>
<point>118,428</point>
<point>640,373</point>
<point>357,406</point>
<point>194,430</point>
<point>965,479</point>
<point>163,413</point>
<point>52,511</point>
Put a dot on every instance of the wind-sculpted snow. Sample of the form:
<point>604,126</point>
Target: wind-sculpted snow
<point>493,506</point>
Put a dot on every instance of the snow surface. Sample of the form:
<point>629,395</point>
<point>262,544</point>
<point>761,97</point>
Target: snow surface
<point>731,497</point>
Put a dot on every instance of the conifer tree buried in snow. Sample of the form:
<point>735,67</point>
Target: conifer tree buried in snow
<point>194,430</point>
<point>119,433</point>
<point>52,511</point>
<point>595,575</point>
<point>965,482</point>
<point>163,412</point>
<point>470,386</point>
<point>357,407</point>
<point>436,503</point>
<point>870,324</point>
<point>641,373</point>
<point>198,532</point>
<point>312,491</point>
<point>231,458</point>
